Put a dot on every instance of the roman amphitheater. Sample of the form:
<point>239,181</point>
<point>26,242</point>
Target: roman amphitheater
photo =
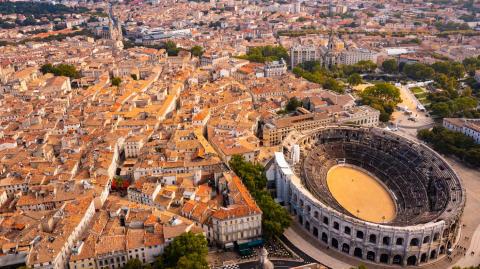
<point>370,193</point>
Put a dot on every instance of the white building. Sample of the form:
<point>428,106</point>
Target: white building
<point>238,222</point>
<point>333,54</point>
<point>133,145</point>
<point>354,56</point>
<point>275,68</point>
<point>469,127</point>
<point>143,193</point>
<point>304,53</point>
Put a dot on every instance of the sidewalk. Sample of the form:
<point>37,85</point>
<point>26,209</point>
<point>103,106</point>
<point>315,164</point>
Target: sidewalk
<point>313,251</point>
<point>472,260</point>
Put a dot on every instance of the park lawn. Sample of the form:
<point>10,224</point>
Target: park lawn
<point>417,90</point>
<point>421,95</point>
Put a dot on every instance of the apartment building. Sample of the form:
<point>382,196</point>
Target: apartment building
<point>143,192</point>
<point>139,233</point>
<point>275,68</point>
<point>133,145</point>
<point>330,55</point>
<point>240,220</point>
<point>305,53</point>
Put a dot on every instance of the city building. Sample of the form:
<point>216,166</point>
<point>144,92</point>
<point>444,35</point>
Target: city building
<point>468,127</point>
<point>275,68</point>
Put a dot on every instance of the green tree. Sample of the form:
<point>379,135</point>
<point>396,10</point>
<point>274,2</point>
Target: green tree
<point>450,142</point>
<point>188,249</point>
<point>265,54</point>
<point>171,48</point>
<point>66,70</point>
<point>449,68</point>
<point>383,97</point>
<point>445,82</point>
<point>47,68</point>
<point>275,218</point>
<point>418,71</point>
<point>133,264</point>
<point>116,81</point>
<point>354,79</point>
<point>333,85</point>
<point>390,66</point>
<point>292,104</point>
<point>441,109</point>
<point>197,51</point>
<point>192,261</point>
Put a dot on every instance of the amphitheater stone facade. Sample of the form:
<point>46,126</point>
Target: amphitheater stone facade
<point>428,194</point>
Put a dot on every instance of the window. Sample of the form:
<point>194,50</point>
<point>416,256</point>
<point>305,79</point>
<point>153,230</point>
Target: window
<point>426,239</point>
<point>373,238</point>
<point>347,230</point>
<point>360,234</point>
<point>325,220</point>
<point>386,240</point>
<point>336,226</point>
<point>399,241</point>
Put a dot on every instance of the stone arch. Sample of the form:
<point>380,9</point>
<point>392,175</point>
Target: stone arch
<point>334,243</point>
<point>433,254</point>
<point>307,225</point>
<point>300,219</point>
<point>412,260</point>
<point>436,236</point>
<point>315,214</point>
<point>399,241</point>
<point>371,256</point>
<point>373,238</point>
<point>315,231</point>
<point>386,240</point>
<point>358,252</point>
<point>397,259</point>
<point>325,220</point>
<point>426,239</point>
<point>360,234</point>
<point>346,248</point>
<point>325,237</point>
<point>384,258</point>
<point>442,250</point>
<point>423,258</point>
<point>347,230</point>
<point>414,242</point>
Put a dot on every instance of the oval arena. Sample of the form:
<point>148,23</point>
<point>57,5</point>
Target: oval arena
<point>370,194</point>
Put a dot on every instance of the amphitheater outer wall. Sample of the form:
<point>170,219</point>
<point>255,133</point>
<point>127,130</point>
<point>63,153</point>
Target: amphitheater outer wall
<point>415,244</point>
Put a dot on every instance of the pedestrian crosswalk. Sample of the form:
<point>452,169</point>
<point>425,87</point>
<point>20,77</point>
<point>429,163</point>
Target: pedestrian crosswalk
<point>230,266</point>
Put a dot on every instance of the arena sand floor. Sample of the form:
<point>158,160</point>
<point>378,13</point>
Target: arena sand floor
<point>360,194</point>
